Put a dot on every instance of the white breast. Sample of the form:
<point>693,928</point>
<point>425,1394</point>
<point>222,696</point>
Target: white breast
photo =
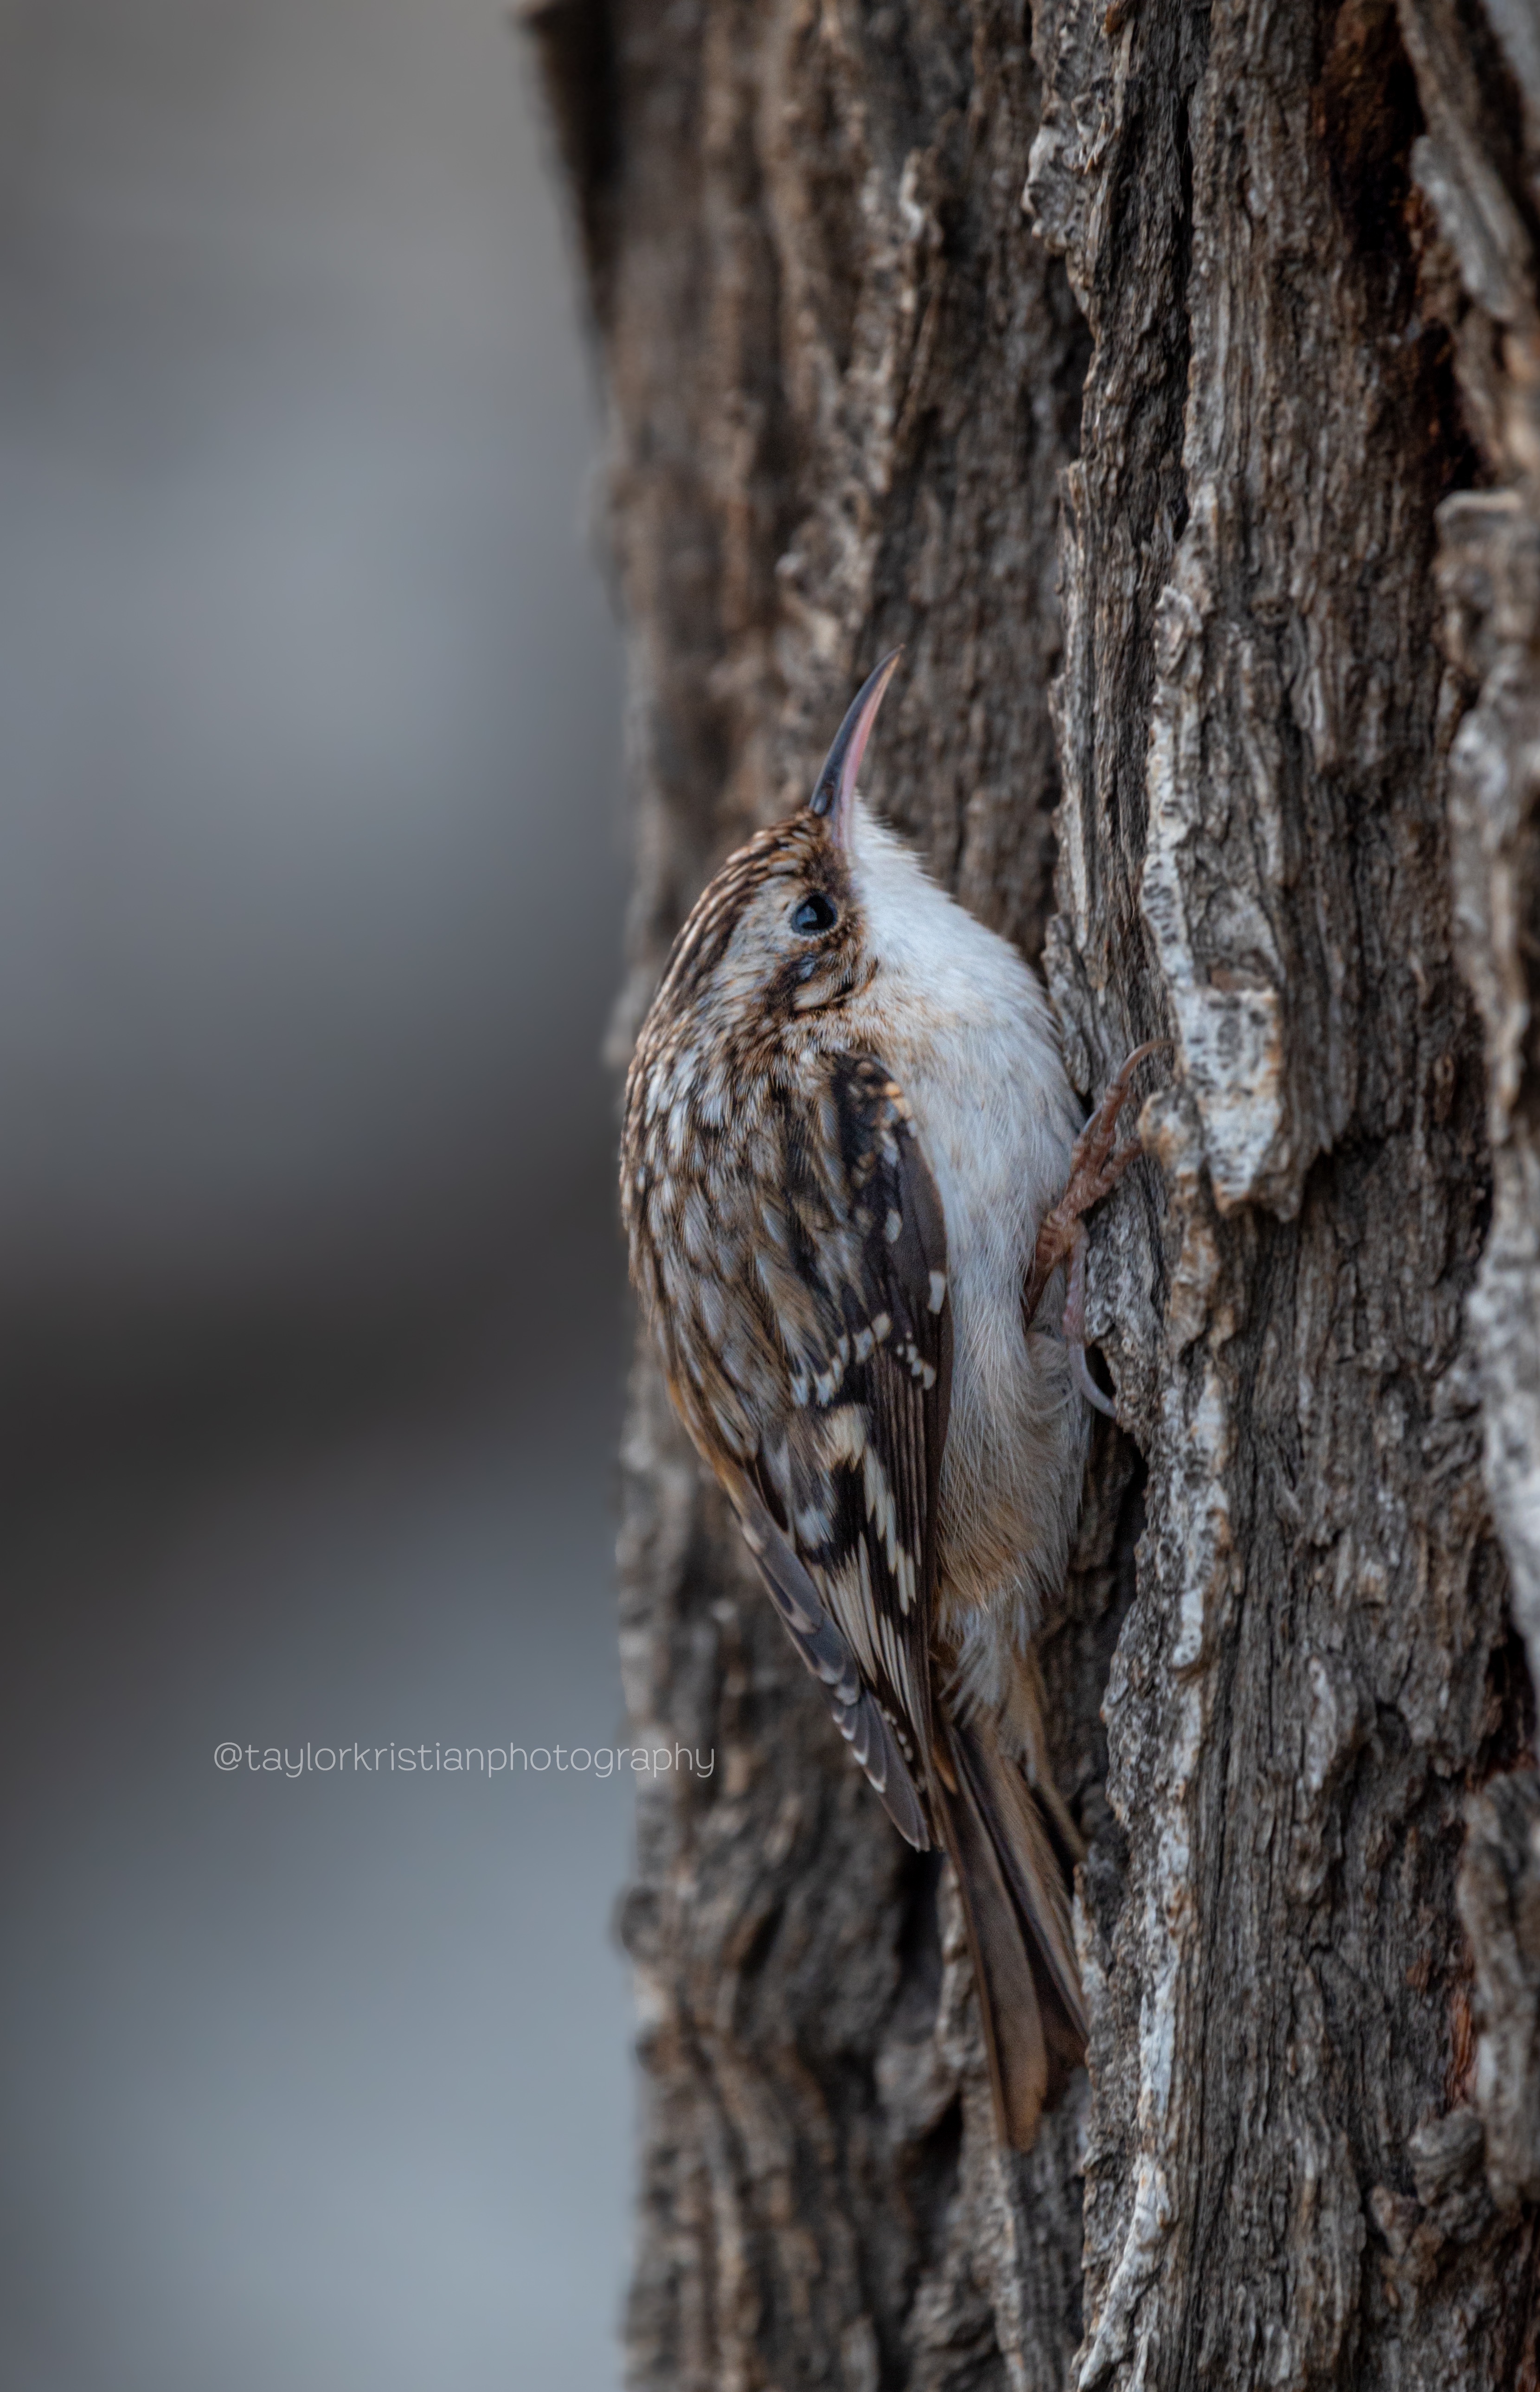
<point>965,1027</point>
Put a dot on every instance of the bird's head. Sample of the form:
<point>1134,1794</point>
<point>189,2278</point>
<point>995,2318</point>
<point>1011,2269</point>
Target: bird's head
<point>780,935</point>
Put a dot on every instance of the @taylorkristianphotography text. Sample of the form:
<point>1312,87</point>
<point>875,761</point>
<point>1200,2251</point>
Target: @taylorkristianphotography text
<point>465,1760</point>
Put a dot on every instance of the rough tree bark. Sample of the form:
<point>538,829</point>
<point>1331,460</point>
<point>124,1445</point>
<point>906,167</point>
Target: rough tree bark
<point>1168,378</point>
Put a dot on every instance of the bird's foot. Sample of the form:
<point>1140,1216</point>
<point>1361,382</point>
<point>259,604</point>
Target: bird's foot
<point>1096,1165</point>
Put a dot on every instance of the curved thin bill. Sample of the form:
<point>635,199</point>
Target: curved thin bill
<point>835,786</point>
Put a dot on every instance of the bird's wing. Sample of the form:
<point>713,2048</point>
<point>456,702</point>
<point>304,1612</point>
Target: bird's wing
<point>839,1502</point>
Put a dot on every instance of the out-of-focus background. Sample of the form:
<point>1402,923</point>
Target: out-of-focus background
<point>311,1315</point>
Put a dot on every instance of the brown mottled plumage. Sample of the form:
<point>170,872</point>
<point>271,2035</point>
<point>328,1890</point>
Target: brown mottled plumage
<point>847,1120</point>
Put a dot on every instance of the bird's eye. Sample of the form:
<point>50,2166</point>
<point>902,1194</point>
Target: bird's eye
<point>815,913</point>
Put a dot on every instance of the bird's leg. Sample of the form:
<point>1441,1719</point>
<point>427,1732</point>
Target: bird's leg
<point>1095,1166</point>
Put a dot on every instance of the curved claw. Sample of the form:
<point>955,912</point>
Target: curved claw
<point>1079,1371</point>
<point>1074,1326</point>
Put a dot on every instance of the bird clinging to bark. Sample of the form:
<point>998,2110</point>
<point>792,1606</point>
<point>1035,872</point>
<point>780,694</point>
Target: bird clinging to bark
<point>850,1173</point>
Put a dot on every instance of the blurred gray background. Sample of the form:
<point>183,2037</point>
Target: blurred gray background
<point>311,1315</point>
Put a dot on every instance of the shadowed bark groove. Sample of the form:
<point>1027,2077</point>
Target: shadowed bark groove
<point>1221,324</point>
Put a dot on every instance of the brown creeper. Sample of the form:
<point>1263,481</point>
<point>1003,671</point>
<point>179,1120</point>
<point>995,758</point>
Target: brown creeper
<point>847,1121</point>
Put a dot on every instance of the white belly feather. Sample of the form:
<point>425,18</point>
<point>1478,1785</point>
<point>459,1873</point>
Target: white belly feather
<point>979,1062</point>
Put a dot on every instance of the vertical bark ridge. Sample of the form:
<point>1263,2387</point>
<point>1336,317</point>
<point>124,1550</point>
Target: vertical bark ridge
<point>1477,171</point>
<point>1255,858</point>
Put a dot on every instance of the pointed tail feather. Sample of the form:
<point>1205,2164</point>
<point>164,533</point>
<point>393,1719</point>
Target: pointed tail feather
<point>1014,1858</point>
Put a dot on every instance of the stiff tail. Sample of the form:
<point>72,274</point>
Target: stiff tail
<point>1013,1850</point>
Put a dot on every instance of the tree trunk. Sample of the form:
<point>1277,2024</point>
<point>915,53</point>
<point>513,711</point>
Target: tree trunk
<point>1168,381</point>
